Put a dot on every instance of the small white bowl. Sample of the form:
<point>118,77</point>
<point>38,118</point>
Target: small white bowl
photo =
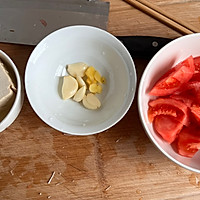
<point>171,54</point>
<point>18,102</point>
<point>95,47</point>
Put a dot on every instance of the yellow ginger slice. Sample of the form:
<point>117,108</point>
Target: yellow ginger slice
<point>90,73</point>
<point>98,77</point>
<point>94,80</point>
<point>88,81</point>
<point>103,80</point>
<point>95,88</point>
<point>99,89</point>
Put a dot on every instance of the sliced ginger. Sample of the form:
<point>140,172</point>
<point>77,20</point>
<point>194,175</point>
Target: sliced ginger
<point>95,88</point>
<point>103,80</point>
<point>90,73</point>
<point>94,80</point>
<point>98,77</point>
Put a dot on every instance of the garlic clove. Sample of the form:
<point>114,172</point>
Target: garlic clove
<point>80,94</point>
<point>77,69</point>
<point>88,105</point>
<point>81,82</point>
<point>69,87</point>
<point>93,100</point>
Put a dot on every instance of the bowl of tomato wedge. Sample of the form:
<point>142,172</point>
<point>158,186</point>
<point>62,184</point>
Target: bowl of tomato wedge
<point>169,101</point>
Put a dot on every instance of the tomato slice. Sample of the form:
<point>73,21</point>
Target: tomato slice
<point>195,87</point>
<point>197,64</point>
<point>168,127</point>
<point>195,110</point>
<point>170,107</point>
<point>188,142</point>
<point>174,78</point>
<point>195,77</point>
<point>190,92</point>
<point>187,97</point>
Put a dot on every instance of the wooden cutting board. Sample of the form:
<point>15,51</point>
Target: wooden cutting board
<point>118,164</point>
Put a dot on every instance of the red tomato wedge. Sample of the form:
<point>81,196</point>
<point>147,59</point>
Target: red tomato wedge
<point>186,97</point>
<point>188,141</point>
<point>195,87</point>
<point>174,78</point>
<point>170,107</point>
<point>168,127</point>
<point>190,91</point>
<point>195,110</point>
<point>197,64</point>
<point>196,77</point>
<point>175,113</point>
<point>191,85</point>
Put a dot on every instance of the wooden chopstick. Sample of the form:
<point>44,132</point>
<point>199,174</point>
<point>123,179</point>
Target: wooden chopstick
<point>163,16</point>
<point>168,15</point>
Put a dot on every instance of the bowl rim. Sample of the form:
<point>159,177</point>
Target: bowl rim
<point>148,133</point>
<point>18,102</point>
<point>129,101</point>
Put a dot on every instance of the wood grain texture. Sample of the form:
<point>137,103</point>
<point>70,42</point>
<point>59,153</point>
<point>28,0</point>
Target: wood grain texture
<point>120,163</point>
<point>126,19</point>
<point>164,17</point>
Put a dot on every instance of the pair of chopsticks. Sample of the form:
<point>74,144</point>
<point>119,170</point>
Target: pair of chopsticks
<point>163,16</point>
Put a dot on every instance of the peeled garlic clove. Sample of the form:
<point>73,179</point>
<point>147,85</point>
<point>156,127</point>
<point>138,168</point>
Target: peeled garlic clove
<point>69,87</point>
<point>88,105</point>
<point>80,94</point>
<point>81,82</point>
<point>77,69</point>
<point>93,100</point>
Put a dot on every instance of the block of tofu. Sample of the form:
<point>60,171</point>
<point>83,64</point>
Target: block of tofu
<point>7,91</point>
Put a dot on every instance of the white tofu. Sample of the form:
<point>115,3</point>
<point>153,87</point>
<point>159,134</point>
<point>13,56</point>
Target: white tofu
<point>7,94</point>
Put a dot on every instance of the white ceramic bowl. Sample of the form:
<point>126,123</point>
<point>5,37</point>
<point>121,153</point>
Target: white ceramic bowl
<point>172,53</point>
<point>94,47</point>
<point>18,102</point>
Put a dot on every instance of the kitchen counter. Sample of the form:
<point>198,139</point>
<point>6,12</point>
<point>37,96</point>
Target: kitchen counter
<point>120,163</point>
